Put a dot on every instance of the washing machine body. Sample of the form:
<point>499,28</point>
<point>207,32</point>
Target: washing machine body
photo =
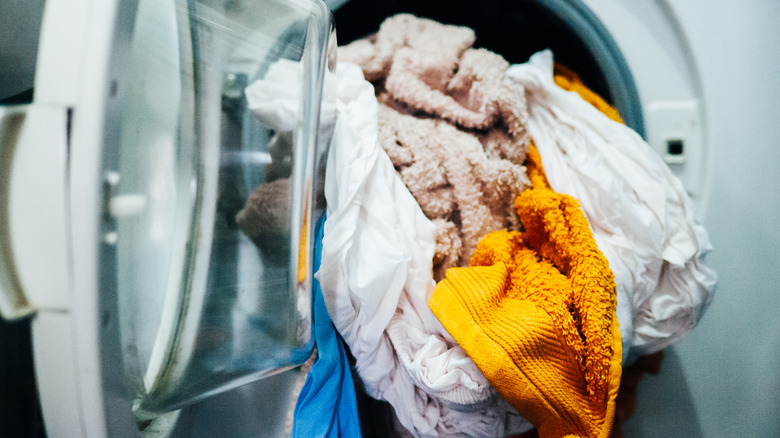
<point>722,380</point>
<point>638,55</point>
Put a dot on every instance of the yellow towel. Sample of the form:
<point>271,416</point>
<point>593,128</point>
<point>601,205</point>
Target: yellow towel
<point>536,313</point>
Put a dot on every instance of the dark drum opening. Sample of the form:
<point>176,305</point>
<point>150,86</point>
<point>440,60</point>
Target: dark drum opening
<point>516,29</point>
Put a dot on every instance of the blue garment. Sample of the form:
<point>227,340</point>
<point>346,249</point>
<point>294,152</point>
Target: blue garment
<point>326,405</point>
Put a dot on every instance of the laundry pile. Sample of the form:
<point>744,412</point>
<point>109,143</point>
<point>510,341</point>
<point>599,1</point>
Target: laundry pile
<point>495,245</point>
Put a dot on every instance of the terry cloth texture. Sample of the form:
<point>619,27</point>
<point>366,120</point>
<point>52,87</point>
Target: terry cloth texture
<point>453,179</point>
<point>265,219</point>
<point>453,128</point>
<point>536,313</point>
<point>639,212</point>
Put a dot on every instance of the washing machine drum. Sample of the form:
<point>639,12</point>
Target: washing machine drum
<point>634,55</point>
<point>516,30</point>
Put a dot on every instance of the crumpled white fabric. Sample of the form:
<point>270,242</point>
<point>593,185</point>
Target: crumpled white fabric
<point>639,212</point>
<point>275,99</point>
<point>376,272</point>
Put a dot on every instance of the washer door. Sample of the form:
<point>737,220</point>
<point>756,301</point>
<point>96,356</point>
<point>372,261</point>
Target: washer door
<point>176,224</point>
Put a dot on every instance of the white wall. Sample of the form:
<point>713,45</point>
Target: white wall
<point>724,379</point>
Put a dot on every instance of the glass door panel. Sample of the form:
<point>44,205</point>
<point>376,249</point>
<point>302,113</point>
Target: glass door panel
<point>212,206</point>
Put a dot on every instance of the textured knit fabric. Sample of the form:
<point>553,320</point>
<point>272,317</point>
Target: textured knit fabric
<point>451,176</point>
<point>326,405</point>
<point>454,129</point>
<point>640,214</point>
<point>536,313</point>
<point>429,66</point>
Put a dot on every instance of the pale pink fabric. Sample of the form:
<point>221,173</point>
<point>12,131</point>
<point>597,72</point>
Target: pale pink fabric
<point>454,129</point>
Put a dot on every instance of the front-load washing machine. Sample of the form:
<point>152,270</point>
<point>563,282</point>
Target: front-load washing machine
<point>129,152</point>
